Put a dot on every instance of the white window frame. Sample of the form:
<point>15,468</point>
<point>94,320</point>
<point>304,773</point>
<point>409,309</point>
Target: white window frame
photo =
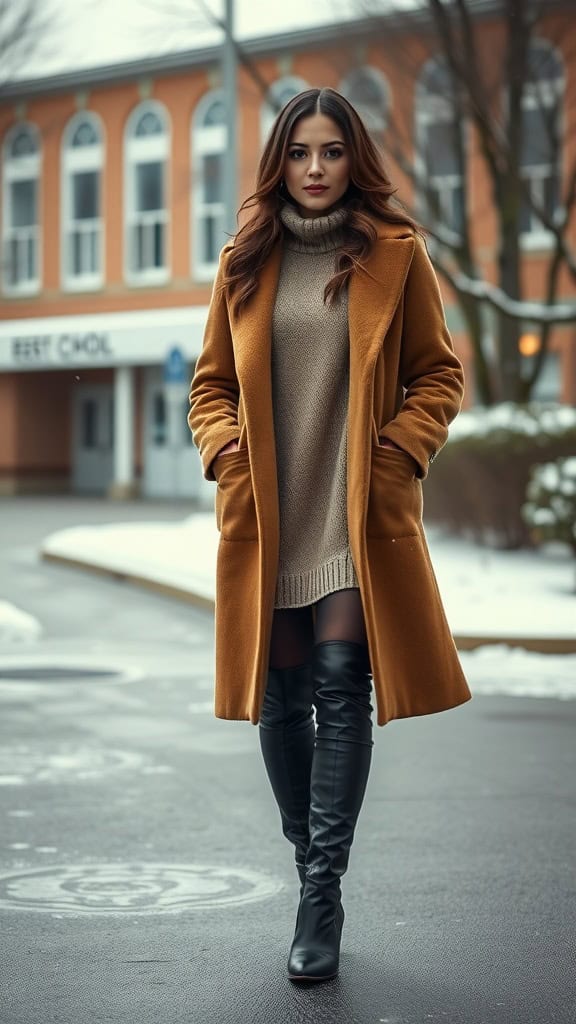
<point>23,168</point>
<point>81,158</point>
<point>288,84</point>
<point>205,139</point>
<point>433,109</point>
<point>146,149</point>
<point>376,124</point>
<point>548,92</point>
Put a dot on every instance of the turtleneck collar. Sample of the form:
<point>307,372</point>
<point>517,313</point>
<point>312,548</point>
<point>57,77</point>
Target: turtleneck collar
<point>313,234</point>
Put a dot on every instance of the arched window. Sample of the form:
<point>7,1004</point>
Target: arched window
<point>439,148</point>
<point>21,227</point>
<point>368,91</point>
<point>279,93</point>
<point>146,163</point>
<point>82,163</point>
<point>209,136</point>
<point>541,155</point>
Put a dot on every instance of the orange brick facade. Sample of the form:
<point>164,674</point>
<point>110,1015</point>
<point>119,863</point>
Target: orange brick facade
<point>36,403</point>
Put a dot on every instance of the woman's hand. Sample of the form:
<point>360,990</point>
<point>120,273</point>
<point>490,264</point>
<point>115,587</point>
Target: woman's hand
<point>232,446</point>
<point>385,443</point>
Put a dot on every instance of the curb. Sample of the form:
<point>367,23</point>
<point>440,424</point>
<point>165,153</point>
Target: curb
<point>539,645</point>
<point>120,576</point>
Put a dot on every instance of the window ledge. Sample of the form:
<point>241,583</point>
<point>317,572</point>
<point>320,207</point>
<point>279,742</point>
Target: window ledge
<point>22,290</point>
<point>205,272</point>
<point>82,284</point>
<point>148,277</point>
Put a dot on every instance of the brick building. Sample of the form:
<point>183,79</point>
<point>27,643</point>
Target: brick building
<point>111,222</point>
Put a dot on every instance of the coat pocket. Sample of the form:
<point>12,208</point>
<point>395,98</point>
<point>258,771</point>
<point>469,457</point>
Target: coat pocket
<point>395,496</point>
<point>235,508</point>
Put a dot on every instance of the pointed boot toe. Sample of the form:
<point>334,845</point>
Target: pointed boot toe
<point>315,951</point>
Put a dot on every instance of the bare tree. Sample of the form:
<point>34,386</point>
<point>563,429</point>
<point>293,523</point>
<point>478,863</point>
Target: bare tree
<point>23,26</point>
<point>190,14</point>
<point>489,92</point>
<point>500,99</point>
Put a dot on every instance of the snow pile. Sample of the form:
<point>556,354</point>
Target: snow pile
<point>16,626</point>
<point>182,555</point>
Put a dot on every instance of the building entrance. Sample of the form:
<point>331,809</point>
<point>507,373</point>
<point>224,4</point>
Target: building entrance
<point>93,438</point>
<point>171,463</point>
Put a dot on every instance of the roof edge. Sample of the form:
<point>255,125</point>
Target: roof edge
<point>206,56</point>
<point>255,46</point>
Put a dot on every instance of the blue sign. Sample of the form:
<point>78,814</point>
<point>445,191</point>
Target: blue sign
<point>176,368</point>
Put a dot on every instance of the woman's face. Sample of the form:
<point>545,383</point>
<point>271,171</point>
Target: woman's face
<point>317,168</point>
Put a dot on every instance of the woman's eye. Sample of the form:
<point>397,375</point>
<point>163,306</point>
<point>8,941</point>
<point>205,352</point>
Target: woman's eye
<point>333,154</point>
<point>297,154</point>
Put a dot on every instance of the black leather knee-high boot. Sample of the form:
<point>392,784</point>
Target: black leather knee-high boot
<point>286,730</point>
<point>340,769</point>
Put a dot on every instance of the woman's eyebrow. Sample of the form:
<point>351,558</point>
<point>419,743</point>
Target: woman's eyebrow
<point>304,145</point>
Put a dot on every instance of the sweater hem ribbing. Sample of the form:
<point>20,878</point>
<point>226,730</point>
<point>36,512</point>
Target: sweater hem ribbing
<point>295,590</point>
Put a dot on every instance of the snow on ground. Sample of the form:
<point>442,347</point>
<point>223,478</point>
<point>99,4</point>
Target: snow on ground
<point>505,593</point>
<point>513,672</point>
<point>16,626</point>
<point>486,593</point>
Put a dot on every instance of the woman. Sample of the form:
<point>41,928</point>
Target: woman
<point>324,389</point>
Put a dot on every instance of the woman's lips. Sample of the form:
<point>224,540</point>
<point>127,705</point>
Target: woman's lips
<point>316,188</point>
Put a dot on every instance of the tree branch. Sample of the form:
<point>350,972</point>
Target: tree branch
<point>516,309</point>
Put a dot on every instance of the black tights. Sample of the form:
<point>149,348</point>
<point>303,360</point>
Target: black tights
<point>337,616</point>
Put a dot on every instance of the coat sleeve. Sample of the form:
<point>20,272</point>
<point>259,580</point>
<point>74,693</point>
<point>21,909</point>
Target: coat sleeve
<point>213,416</point>
<point>430,372</point>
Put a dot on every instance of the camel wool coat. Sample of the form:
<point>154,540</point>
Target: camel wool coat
<point>405,385</point>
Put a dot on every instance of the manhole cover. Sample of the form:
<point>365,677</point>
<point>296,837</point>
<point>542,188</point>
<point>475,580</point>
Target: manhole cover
<point>133,888</point>
<point>58,673</point>
<point>21,764</point>
<point>66,669</point>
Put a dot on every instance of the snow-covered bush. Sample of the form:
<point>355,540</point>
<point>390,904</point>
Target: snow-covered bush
<point>477,486</point>
<point>550,510</point>
<point>535,420</point>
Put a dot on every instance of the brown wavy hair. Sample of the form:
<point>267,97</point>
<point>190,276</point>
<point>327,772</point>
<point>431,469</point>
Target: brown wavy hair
<point>370,193</point>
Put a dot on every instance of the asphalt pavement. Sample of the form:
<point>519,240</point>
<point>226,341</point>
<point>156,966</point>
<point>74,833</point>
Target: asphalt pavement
<point>143,875</point>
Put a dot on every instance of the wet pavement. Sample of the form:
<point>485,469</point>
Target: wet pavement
<point>143,876</point>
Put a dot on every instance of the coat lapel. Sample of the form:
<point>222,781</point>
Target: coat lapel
<point>374,294</point>
<point>252,333</point>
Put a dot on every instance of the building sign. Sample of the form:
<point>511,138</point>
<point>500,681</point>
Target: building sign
<point>175,369</point>
<point>170,338</point>
<point>60,348</point>
<point>176,376</point>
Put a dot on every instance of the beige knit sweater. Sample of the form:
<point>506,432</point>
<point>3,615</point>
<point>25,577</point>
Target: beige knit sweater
<point>310,357</point>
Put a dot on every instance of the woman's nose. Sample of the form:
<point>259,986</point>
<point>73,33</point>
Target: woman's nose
<point>315,166</point>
